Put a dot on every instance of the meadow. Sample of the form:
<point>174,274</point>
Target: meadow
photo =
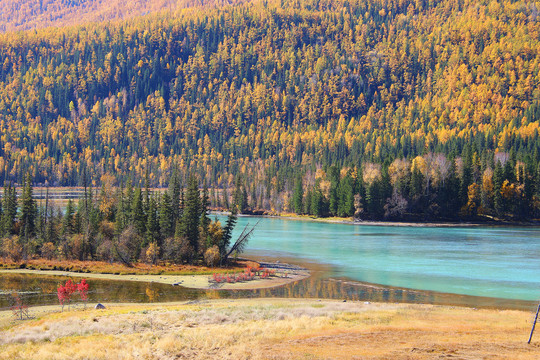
<point>268,329</point>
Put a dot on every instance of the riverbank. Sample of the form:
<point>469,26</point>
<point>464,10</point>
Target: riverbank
<point>118,268</point>
<point>269,329</point>
<point>351,221</point>
<point>283,274</point>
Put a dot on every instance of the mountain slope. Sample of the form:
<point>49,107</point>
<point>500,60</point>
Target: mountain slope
<point>28,14</point>
<point>273,89</point>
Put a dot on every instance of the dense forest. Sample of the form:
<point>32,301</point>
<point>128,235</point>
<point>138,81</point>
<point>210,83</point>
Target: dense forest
<point>29,14</point>
<point>378,109</point>
<point>139,225</point>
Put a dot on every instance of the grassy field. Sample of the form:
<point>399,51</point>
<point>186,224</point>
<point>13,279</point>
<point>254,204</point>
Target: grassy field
<point>269,329</point>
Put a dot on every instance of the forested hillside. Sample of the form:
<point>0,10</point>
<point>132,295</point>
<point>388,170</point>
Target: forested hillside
<point>30,14</point>
<point>386,109</point>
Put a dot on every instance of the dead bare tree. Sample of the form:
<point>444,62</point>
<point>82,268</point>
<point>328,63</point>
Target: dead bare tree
<point>242,241</point>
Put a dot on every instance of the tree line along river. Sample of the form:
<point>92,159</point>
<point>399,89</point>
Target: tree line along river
<point>475,266</point>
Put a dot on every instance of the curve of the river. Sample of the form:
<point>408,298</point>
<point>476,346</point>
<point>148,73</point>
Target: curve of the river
<point>498,262</point>
<point>472,266</point>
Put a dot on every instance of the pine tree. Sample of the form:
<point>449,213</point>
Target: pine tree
<point>307,202</point>
<point>128,203</point>
<point>191,215</point>
<point>121,218</point>
<point>334,184</point>
<point>50,230</point>
<point>498,178</point>
<point>227,234</point>
<point>2,214</point>
<point>345,194</point>
<point>152,224</point>
<point>175,191</point>
<point>240,196</point>
<point>28,210</point>
<point>225,198</point>
<point>466,178</point>
<point>10,209</point>
<point>166,217</point>
<point>508,171</point>
<point>317,201</point>
<point>78,219</point>
<point>146,204</point>
<point>138,216</point>
<point>68,224</point>
<point>205,220</point>
<point>297,197</point>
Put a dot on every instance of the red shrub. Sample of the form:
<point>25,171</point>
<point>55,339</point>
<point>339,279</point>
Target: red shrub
<point>82,288</point>
<point>66,292</point>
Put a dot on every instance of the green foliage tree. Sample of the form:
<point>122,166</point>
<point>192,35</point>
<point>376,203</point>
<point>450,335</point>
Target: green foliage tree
<point>9,214</point>
<point>166,216</point>
<point>28,210</point>
<point>298,196</point>
<point>139,219</point>
<point>192,214</point>
<point>68,224</point>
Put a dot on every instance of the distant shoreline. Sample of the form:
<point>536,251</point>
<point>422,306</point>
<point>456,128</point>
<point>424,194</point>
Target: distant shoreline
<point>349,221</point>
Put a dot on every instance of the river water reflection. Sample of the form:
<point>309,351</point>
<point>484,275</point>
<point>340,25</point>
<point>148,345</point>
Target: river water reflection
<point>472,266</point>
<point>41,290</point>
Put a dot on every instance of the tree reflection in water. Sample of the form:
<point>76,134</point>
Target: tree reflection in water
<point>41,290</point>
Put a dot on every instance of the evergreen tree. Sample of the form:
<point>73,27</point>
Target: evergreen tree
<point>2,214</point>
<point>138,216</point>
<point>307,202</point>
<point>225,201</point>
<point>227,234</point>
<point>375,199</point>
<point>129,200</point>
<point>508,171</point>
<point>498,178</point>
<point>417,194</point>
<point>334,184</point>
<point>146,204</point>
<point>78,218</point>
<point>317,201</point>
<point>50,230</point>
<point>10,209</point>
<point>466,178</point>
<point>175,191</point>
<point>298,195</point>
<point>68,224</point>
<point>152,224</point>
<point>191,215</point>
<point>240,196</point>
<point>448,195</point>
<point>205,219</point>
<point>28,210</point>
<point>166,217</point>
<point>121,217</point>
<point>345,195</point>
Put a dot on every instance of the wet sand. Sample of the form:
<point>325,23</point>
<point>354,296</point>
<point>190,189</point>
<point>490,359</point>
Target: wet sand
<point>284,274</point>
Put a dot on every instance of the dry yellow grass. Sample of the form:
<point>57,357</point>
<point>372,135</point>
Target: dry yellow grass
<point>271,329</point>
<point>103,267</point>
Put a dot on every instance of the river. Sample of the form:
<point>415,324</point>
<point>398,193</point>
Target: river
<point>474,266</point>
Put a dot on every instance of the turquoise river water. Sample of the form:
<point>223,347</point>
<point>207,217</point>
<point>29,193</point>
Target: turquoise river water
<point>472,266</point>
<point>500,262</point>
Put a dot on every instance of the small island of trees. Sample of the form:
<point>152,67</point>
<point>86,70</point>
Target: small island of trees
<point>129,224</point>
